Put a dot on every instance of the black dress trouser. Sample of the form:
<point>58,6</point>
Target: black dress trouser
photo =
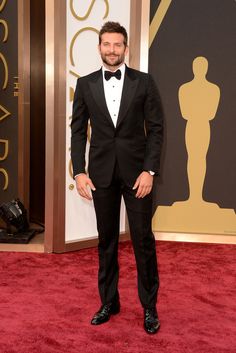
<point>107,203</point>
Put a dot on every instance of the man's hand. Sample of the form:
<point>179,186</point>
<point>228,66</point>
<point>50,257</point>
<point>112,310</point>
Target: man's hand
<point>83,183</point>
<point>144,184</point>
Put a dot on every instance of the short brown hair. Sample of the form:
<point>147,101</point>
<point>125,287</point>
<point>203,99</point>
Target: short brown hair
<point>113,27</point>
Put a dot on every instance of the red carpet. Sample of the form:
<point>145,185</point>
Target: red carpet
<point>47,302</point>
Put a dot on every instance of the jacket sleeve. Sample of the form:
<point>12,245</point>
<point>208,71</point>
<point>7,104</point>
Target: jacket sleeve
<point>153,113</point>
<point>79,126</point>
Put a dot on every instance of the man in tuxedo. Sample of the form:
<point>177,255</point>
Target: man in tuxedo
<point>126,119</point>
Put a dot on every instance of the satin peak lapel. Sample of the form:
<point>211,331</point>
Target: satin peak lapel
<point>129,90</point>
<point>97,90</point>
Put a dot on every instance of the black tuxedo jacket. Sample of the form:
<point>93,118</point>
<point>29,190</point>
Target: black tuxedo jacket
<point>135,143</point>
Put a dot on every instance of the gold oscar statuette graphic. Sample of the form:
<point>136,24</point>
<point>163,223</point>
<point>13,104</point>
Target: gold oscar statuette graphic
<point>199,100</point>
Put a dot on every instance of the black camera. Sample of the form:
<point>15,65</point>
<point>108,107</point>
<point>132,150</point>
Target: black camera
<point>14,215</point>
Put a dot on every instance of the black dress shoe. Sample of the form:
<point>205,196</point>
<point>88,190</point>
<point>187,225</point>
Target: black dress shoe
<point>151,322</point>
<point>105,312</point>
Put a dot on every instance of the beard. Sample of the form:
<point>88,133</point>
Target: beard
<point>113,62</point>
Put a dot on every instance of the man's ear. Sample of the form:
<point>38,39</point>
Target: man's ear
<point>99,48</point>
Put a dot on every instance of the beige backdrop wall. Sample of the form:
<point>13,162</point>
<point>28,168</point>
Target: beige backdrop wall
<point>84,19</point>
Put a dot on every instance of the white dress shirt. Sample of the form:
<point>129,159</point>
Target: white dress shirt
<point>113,92</point>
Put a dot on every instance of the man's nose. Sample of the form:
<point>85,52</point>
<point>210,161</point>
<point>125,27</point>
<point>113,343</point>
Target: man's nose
<point>112,49</point>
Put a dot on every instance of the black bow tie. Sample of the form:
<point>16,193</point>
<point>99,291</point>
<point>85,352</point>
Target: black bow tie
<point>109,74</point>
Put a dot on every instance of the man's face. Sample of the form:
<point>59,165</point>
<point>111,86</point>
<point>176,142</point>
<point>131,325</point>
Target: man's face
<point>112,50</point>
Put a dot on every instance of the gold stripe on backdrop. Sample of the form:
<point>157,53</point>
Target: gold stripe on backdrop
<point>5,25</point>
<point>82,18</point>
<point>157,19</point>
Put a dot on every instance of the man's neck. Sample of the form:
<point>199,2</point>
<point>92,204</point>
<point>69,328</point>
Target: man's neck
<point>112,68</point>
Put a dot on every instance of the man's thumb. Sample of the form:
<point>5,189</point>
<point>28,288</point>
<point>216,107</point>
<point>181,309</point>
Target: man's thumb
<point>91,185</point>
<point>136,184</point>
